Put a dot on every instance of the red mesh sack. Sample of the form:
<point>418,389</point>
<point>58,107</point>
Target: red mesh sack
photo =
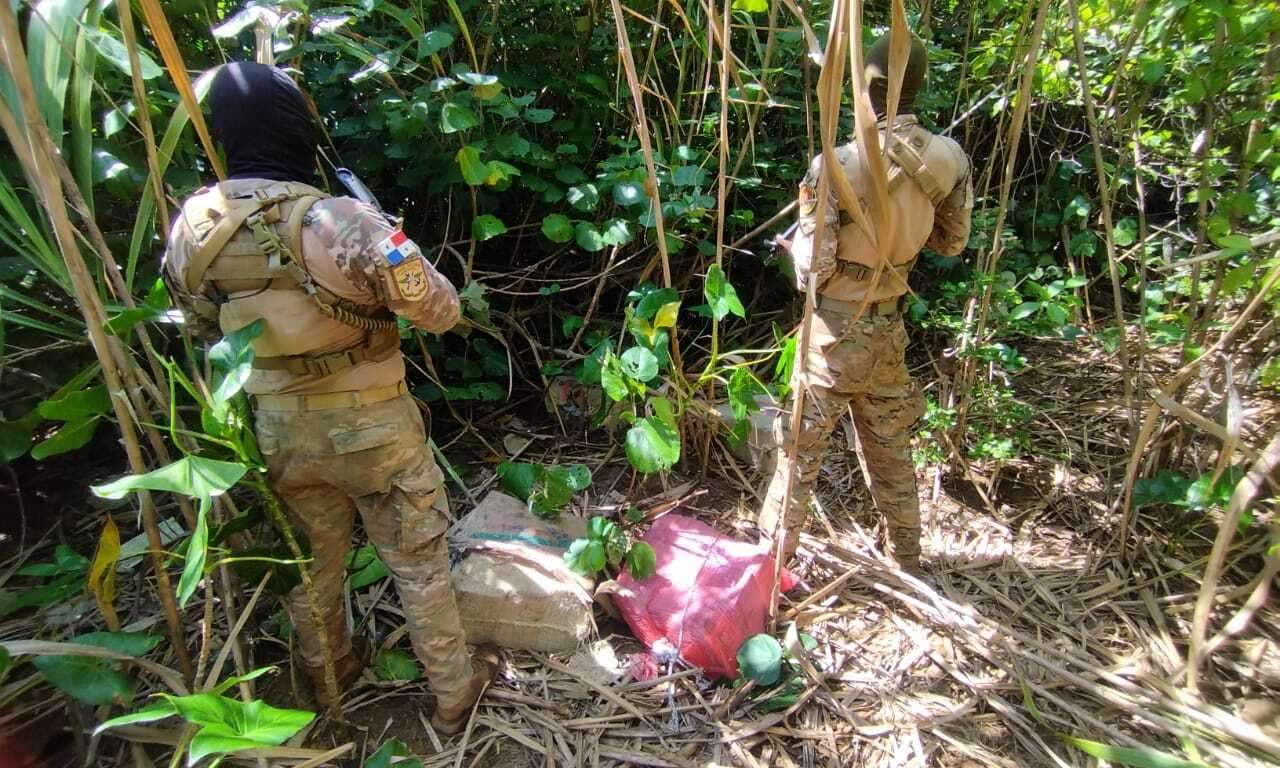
<point>708,595</point>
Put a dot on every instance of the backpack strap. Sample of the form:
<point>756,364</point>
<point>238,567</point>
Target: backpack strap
<point>907,153</point>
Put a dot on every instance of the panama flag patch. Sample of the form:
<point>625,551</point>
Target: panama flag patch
<point>397,247</point>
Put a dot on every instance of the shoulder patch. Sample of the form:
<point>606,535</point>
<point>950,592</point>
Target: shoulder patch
<point>397,248</point>
<point>410,279</point>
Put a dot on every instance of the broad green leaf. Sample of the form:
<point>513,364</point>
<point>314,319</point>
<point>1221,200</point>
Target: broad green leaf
<point>751,6</point>
<point>228,725</point>
<point>395,664</point>
<point>588,238</point>
<point>760,659</point>
<point>73,435</point>
<point>519,478</point>
<point>512,145</point>
<point>652,445</point>
<point>87,679</point>
<point>487,227</point>
<point>474,170</point>
<point>1167,487</point>
<point>129,643</point>
<point>721,296</point>
<point>1205,493</point>
<point>455,117</point>
<point>641,561</point>
<point>393,748</point>
<point>74,406</point>
<point>1056,313</point>
<point>197,554</point>
<point>366,567</point>
<point>584,197</point>
<point>15,439</point>
<point>579,477</point>
<point>687,176</point>
<point>1142,757</point>
<point>743,389</point>
<point>117,55</point>
<point>1125,233</point>
<point>616,232</point>
<point>193,476</point>
<point>1024,310</point>
<point>539,115</point>
<point>433,42</point>
<point>640,364</point>
<point>147,715</point>
<point>612,380</point>
<point>1238,278</point>
<point>628,193</point>
<point>233,358</point>
<point>5,662</point>
<point>557,228</point>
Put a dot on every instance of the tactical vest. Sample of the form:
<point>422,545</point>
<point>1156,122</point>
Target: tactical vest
<point>908,145</point>
<point>245,245</point>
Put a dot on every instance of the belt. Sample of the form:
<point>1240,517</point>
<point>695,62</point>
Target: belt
<point>331,363</point>
<point>330,400</point>
<point>886,308</point>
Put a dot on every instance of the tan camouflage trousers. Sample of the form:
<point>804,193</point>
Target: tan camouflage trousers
<point>327,466</point>
<point>859,367</point>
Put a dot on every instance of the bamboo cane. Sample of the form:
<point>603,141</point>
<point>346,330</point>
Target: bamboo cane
<point>40,150</point>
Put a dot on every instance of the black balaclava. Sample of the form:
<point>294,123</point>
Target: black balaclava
<point>261,118</point>
<point>877,73</point>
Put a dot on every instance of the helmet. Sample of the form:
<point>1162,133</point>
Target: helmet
<point>877,74</point>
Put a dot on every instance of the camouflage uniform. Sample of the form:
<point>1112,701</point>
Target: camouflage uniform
<point>857,364</point>
<point>337,429</point>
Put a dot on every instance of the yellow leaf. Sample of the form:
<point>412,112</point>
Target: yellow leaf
<point>102,573</point>
<point>666,317</point>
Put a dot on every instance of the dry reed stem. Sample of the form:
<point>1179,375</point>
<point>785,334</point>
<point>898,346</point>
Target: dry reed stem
<point>40,154</point>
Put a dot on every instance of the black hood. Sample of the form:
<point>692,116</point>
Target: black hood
<point>261,118</point>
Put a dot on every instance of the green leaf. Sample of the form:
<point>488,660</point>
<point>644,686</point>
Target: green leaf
<point>233,357</point>
<point>229,725</point>
<point>148,715</point>
<point>1125,233</point>
<point>15,439</point>
<point>455,117</point>
<point>129,643</point>
<point>579,477</point>
<point>114,52</point>
<point>487,227</point>
<point>588,238</point>
<point>628,193</point>
<point>538,116</point>
<point>1204,493</point>
<point>366,567</point>
<point>1238,278</point>
<point>743,389</point>
<point>519,478</point>
<point>584,197</point>
<point>474,170</point>
<point>611,378</point>
<point>751,6</point>
<point>1167,487</point>
<point>193,476</point>
<point>687,176</point>
<point>557,228</point>
<point>640,364</point>
<point>5,662</point>
<point>1056,313</point>
<point>721,296</point>
<point>197,554</point>
<point>393,748</point>
<point>1142,757</point>
<point>512,145</point>
<point>760,659</point>
<point>1024,310</point>
<point>616,232</point>
<point>74,406</point>
<point>641,561</point>
<point>652,445</point>
<point>395,664</point>
<point>72,436</point>
<point>86,679</point>
<point>433,42</point>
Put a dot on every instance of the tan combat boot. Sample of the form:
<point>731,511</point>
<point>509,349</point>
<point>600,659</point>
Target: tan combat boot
<point>903,545</point>
<point>452,719</point>
<point>346,670</point>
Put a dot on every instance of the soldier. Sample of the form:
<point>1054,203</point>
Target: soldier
<point>858,364</point>
<point>335,423</point>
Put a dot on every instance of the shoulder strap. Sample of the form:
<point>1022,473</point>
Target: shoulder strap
<point>907,152</point>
